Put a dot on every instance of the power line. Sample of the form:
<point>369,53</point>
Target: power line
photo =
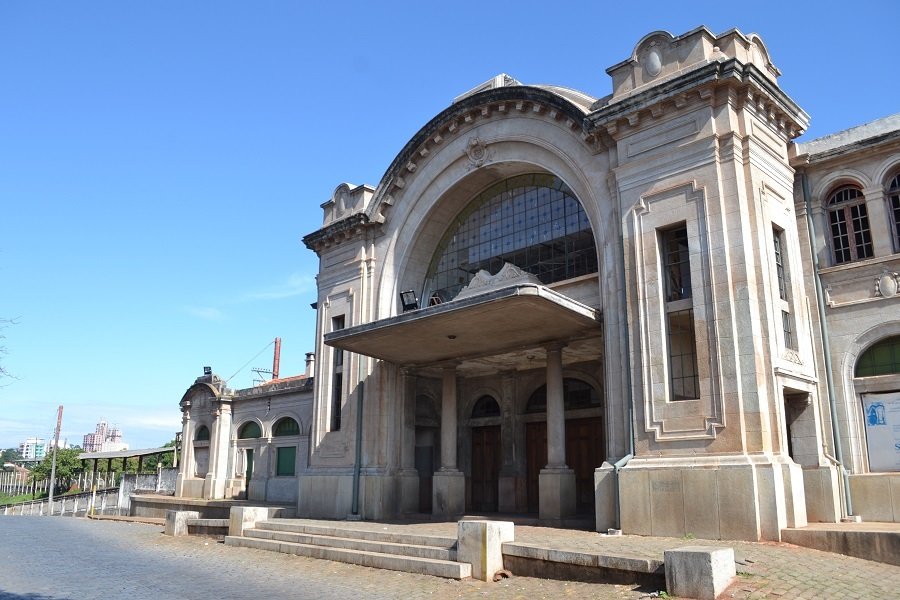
<point>250,361</point>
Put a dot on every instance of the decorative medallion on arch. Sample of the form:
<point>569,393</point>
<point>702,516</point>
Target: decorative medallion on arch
<point>532,221</point>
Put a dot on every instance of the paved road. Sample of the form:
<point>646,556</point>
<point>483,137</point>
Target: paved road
<point>61,558</point>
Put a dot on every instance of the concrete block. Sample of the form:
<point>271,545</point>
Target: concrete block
<point>177,521</point>
<point>605,497</point>
<point>667,503</point>
<point>480,545</point>
<point>701,572</point>
<point>871,495</point>
<point>701,508</point>
<point>245,517</point>
<point>738,511</point>
<point>556,497</point>
<point>448,489</point>
<point>634,495</point>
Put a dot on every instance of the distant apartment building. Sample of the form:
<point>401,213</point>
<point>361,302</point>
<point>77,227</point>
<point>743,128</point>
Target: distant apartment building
<point>33,448</point>
<point>104,439</point>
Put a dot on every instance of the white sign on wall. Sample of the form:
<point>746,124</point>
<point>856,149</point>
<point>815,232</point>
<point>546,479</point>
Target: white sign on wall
<point>882,417</point>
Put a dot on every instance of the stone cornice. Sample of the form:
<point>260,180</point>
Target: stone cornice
<point>336,232</point>
<point>752,87</point>
<point>460,117</point>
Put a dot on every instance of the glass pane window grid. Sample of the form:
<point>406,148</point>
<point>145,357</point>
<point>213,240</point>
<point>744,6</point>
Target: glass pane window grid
<point>533,221</point>
<point>683,377</point>
<point>881,359</point>
<point>787,325</point>
<point>676,262</point>
<point>851,238</point>
<point>286,426</point>
<point>779,265</point>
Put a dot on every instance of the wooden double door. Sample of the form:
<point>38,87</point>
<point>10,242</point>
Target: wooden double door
<point>486,459</point>
<point>584,453</point>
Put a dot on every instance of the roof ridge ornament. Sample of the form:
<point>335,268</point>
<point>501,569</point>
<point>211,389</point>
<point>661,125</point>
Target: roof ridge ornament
<point>509,275</point>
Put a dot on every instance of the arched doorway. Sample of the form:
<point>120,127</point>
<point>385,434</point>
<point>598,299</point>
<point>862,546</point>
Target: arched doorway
<point>877,380</point>
<point>585,441</point>
<point>486,455</point>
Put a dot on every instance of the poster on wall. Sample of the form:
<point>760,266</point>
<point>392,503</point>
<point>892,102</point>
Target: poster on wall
<point>882,416</point>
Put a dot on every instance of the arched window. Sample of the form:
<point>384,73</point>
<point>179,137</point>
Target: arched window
<point>202,434</point>
<point>881,359</point>
<point>249,431</point>
<point>485,407</point>
<point>286,426</point>
<point>849,222</point>
<point>894,199</point>
<point>576,394</point>
<point>532,221</point>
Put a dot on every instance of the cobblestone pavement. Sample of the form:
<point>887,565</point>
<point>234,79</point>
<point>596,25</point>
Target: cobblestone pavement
<point>44,558</point>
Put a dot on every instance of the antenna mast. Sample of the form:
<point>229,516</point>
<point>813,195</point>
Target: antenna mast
<point>276,363</point>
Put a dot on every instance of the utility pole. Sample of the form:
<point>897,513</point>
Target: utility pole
<point>53,461</point>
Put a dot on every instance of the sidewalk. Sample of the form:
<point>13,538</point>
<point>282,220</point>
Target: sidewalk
<point>765,569</point>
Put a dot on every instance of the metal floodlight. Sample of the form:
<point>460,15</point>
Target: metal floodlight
<point>409,300</point>
<point>207,370</point>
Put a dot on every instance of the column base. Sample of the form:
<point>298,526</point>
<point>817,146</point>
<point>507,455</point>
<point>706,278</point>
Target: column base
<point>448,494</point>
<point>556,493</point>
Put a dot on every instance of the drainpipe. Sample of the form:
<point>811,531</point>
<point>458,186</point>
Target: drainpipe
<point>826,349</point>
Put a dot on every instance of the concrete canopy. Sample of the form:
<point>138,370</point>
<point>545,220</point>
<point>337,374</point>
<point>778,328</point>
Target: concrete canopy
<point>500,321</point>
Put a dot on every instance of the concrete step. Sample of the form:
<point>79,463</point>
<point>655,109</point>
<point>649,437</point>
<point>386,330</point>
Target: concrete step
<point>344,530</point>
<point>378,560</point>
<point>403,549</point>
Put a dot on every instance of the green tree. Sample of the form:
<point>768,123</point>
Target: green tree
<point>67,465</point>
<point>9,455</point>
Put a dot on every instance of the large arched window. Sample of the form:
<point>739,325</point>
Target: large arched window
<point>286,426</point>
<point>881,359</point>
<point>249,431</point>
<point>894,199</point>
<point>532,221</point>
<point>202,434</point>
<point>849,222</point>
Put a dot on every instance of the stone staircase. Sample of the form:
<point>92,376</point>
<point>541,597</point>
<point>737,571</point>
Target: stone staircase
<point>412,553</point>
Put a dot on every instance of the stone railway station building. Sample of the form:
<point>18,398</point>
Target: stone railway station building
<point>653,309</point>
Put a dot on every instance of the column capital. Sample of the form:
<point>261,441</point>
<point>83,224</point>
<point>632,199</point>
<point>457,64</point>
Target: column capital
<point>558,346</point>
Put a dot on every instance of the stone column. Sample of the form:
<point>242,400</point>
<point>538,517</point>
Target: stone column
<point>409,477</point>
<point>186,460</point>
<point>507,484</point>
<point>556,411</point>
<point>214,486</point>
<point>556,481</point>
<point>449,484</point>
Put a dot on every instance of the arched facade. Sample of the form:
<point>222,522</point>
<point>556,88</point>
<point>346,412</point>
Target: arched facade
<point>664,266</point>
<point>435,285</point>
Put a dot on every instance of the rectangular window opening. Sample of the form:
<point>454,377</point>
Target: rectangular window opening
<point>337,378</point>
<point>684,381</point>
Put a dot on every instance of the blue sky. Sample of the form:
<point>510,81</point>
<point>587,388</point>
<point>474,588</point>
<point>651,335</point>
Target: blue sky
<point>160,161</point>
